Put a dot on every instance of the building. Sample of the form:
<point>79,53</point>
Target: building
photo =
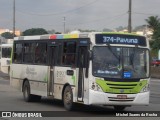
<point>148,33</point>
<point>17,32</point>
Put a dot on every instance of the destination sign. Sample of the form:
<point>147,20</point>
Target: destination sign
<point>120,39</point>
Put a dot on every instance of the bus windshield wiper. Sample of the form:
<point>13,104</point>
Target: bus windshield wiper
<point>132,58</point>
<point>117,57</point>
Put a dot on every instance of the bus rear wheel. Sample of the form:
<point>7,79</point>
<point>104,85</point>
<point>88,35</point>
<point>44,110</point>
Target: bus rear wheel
<point>26,93</point>
<point>68,98</point>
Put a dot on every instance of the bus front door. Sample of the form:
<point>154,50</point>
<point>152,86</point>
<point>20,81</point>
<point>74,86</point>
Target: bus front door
<point>82,56</point>
<point>52,57</point>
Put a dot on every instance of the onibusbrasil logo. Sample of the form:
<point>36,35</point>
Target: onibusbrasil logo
<point>21,114</point>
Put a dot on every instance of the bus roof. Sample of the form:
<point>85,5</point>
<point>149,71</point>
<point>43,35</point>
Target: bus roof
<point>67,36</point>
<point>52,36</point>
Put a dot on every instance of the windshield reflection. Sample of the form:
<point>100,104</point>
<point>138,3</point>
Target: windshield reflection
<point>120,62</point>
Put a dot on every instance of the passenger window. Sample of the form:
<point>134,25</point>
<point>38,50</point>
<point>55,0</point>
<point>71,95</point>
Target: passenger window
<point>29,50</point>
<point>17,53</point>
<point>41,53</point>
<point>69,53</point>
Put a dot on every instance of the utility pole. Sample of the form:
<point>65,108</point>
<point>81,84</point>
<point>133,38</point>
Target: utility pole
<point>64,21</point>
<point>14,21</point>
<point>129,17</point>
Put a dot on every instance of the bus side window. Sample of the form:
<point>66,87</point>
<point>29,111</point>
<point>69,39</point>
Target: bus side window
<point>17,53</point>
<point>59,55</point>
<point>4,52</point>
<point>27,56</point>
<point>69,53</point>
<point>41,53</point>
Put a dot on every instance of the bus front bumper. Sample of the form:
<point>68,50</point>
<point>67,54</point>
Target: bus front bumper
<point>101,98</point>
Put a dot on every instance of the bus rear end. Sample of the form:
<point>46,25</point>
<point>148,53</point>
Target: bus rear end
<point>5,57</point>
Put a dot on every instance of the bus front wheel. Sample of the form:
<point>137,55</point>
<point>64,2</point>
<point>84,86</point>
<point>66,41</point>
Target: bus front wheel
<point>68,98</point>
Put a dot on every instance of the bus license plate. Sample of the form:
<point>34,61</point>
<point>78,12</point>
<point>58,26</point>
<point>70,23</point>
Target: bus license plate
<point>122,96</point>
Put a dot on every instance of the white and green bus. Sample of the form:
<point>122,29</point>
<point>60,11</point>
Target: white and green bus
<point>93,69</point>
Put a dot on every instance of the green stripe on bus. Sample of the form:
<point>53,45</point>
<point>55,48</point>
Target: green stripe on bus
<point>121,87</point>
<point>74,79</point>
<point>46,78</point>
<point>12,53</point>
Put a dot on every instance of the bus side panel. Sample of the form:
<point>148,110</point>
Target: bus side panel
<point>38,88</point>
<point>61,78</point>
<point>14,80</point>
<point>37,75</point>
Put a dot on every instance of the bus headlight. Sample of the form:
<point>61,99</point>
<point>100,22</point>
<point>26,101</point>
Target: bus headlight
<point>96,87</point>
<point>146,88</point>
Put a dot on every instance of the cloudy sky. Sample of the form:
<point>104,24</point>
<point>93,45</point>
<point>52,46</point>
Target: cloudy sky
<point>83,14</point>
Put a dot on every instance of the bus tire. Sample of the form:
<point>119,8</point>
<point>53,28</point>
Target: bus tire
<point>36,98</point>
<point>26,92</point>
<point>68,98</point>
<point>119,108</point>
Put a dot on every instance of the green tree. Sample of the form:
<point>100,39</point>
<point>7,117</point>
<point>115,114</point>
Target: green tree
<point>154,23</point>
<point>35,31</point>
<point>7,35</point>
<point>87,30</point>
<point>120,28</point>
<point>51,31</point>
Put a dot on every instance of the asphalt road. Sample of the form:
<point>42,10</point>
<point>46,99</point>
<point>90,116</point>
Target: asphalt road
<point>12,100</point>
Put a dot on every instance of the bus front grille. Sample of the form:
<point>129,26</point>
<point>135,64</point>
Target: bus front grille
<point>121,100</point>
<point>121,86</point>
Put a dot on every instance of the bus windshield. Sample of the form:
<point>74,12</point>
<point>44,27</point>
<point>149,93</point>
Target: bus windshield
<point>120,62</point>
